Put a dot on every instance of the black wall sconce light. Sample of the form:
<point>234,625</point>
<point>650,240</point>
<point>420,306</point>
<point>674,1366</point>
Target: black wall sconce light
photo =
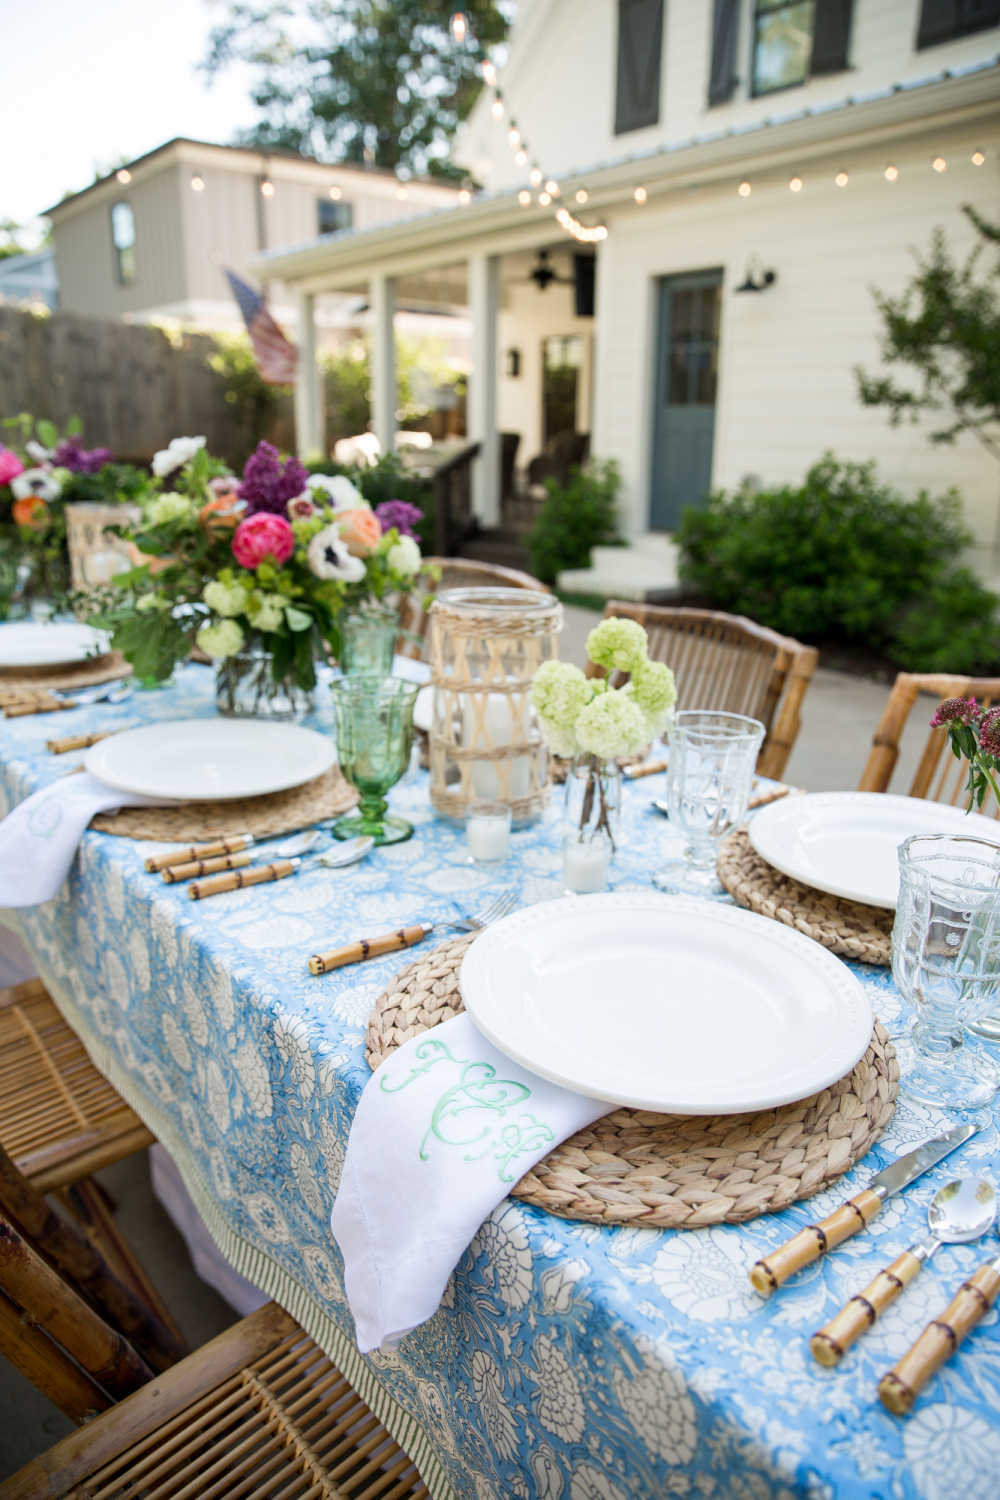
<point>758,280</point>
<point>512,363</point>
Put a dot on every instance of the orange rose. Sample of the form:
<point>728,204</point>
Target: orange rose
<point>360,529</point>
<point>33,513</point>
<point>222,513</point>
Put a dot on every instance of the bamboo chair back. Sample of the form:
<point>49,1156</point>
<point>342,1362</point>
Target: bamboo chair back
<point>940,777</point>
<point>728,663</point>
<point>259,1412</point>
<point>456,573</point>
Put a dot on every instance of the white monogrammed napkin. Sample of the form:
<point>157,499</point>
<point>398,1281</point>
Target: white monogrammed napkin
<point>40,837</point>
<point>444,1129</point>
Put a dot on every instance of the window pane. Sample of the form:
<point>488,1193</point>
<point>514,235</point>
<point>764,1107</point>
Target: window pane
<point>782,45</point>
<point>694,347</point>
<point>123,239</point>
<point>333,216</point>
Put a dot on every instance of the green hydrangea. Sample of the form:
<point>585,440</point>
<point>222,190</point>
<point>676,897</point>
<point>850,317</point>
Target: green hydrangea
<point>225,599</point>
<point>224,639</point>
<point>169,507</point>
<point>558,693</point>
<point>654,691</point>
<point>618,645</point>
<point>146,603</point>
<point>267,611</point>
<point>611,724</point>
<point>404,557</point>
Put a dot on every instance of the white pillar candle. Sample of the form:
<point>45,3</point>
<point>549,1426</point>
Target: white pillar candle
<point>585,865</point>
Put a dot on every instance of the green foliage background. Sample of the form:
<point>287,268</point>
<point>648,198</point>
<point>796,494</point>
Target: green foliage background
<point>574,519</point>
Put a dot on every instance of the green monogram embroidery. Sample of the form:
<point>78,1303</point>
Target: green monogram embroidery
<point>462,1107</point>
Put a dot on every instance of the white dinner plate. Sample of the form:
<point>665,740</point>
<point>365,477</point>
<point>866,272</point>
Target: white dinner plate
<point>666,1002</point>
<point>846,843</point>
<point>27,644</point>
<point>204,760</point>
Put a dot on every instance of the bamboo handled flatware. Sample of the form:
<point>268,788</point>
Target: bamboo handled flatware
<point>231,845</point>
<point>283,860</point>
<point>406,937</point>
<point>900,1388</point>
<point>850,1218</point>
<point>961,1211</point>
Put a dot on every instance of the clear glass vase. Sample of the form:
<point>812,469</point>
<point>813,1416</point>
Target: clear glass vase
<point>591,822</point>
<point>246,688</point>
<point>368,640</point>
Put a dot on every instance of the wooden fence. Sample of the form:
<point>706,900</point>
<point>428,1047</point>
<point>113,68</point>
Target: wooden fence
<point>133,388</point>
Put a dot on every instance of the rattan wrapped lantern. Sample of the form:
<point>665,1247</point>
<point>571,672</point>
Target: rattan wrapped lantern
<point>485,647</point>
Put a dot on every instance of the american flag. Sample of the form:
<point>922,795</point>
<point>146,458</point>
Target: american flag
<point>276,357</point>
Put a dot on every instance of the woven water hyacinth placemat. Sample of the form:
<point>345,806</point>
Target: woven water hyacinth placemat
<point>327,796</point>
<point>845,927</point>
<point>92,672</point>
<point>668,1171</point>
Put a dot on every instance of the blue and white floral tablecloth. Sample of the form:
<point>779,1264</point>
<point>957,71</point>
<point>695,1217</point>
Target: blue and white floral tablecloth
<point>567,1361</point>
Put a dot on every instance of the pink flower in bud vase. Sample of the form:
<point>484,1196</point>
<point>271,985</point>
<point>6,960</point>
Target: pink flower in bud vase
<point>301,508</point>
<point>260,537</point>
<point>962,710</point>
<point>10,465</point>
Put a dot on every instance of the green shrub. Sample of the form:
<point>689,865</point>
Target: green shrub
<point>575,519</point>
<point>843,557</point>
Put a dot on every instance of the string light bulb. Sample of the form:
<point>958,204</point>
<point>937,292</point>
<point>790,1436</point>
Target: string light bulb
<point>521,157</point>
<point>524,197</point>
<point>796,185</point>
<point>123,175</point>
<point>579,231</point>
<point>489,73</point>
<point>401,194</point>
<point>939,164</point>
<point>744,190</point>
<point>267,188</point>
<point>552,188</point>
<point>545,199</point>
<point>335,193</point>
<point>535,176</point>
<point>498,108</point>
<point>197,184</point>
<point>640,195</point>
<point>581,195</point>
<point>459,27</point>
<point>841,179</point>
<point>978,158</point>
<point>514,136</point>
<point>465,196</point>
<point>891,174</point>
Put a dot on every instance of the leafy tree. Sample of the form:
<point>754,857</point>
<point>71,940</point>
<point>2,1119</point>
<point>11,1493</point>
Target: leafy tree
<point>256,400</point>
<point>375,81</point>
<point>945,327</point>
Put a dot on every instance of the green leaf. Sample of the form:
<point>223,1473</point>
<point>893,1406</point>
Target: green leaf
<point>74,426</point>
<point>48,432</point>
<point>297,618</point>
<point>304,668</point>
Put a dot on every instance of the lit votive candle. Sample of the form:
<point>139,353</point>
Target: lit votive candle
<point>487,832</point>
<point>585,865</point>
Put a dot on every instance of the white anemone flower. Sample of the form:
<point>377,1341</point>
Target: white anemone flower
<point>179,451</point>
<point>343,495</point>
<point>330,559</point>
<point>39,482</point>
<point>38,452</point>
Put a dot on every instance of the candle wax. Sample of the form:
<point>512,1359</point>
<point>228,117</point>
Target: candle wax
<point>586,866</point>
<point>488,838</point>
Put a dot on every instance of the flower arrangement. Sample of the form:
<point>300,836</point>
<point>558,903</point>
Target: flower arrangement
<point>974,734</point>
<point>265,562</point>
<point>588,719</point>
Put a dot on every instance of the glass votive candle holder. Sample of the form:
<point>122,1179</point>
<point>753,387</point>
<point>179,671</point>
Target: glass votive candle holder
<point>585,864</point>
<point>487,832</point>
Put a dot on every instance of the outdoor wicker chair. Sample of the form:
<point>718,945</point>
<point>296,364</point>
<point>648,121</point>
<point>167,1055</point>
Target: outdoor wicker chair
<point>455,573</point>
<point>940,777</point>
<point>729,663</point>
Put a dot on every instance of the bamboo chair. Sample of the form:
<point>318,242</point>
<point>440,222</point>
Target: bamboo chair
<point>258,1412</point>
<point>455,573</point>
<point>729,663</point>
<point>940,777</point>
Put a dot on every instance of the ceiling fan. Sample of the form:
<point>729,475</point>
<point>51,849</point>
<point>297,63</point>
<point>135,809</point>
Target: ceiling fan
<point>543,275</point>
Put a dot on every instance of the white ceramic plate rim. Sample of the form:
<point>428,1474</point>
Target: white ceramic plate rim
<point>917,815</point>
<point>73,642</point>
<point>101,760</point>
<point>502,1030</point>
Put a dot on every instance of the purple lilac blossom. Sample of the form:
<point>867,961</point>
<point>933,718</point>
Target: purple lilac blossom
<point>71,454</point>
<point>268,484</point>
<point>398,513</point>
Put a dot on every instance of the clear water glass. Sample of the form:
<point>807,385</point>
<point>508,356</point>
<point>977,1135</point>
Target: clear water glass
<point>709,780</point>
<point>374,717</point>
<point>946,964</point>
<point>368,640</point>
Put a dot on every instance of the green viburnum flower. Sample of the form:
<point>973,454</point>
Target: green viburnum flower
<point>146,603</point>
<point>559,691</point>
<point>403,557</point>
<point>169,507</point>
<point>612,724</point>
<point>618,645</point>
<point>224,639</point>
<point>654,691</point>
<point>225,599</point>
<point>267,611</point>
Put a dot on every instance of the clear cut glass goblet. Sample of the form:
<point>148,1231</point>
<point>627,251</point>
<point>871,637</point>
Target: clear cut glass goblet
<point>709,780</point>
<point>374,717</point>
<point>946,964</point>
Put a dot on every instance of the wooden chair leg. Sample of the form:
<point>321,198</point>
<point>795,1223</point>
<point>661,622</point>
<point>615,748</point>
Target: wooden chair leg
<point>884,752</point>
<point>779,743</point>
<point>50,1371</point>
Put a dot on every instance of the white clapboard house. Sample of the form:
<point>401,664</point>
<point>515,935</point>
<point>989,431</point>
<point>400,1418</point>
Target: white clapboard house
<point>717,185</point>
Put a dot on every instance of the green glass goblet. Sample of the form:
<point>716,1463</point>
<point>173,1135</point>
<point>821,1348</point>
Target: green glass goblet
<point>374,717</point>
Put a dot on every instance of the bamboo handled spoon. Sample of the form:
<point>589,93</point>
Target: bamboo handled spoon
<point>961,1211</point>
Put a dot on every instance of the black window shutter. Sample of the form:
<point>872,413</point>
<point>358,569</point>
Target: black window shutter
<point>943,20</point>
<point>831,36</point>
<point>725,31</point>
<point>640,47</point>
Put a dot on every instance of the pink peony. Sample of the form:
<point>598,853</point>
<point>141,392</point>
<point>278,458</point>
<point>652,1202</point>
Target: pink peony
<point>262,536</point>
<point>10,465</point>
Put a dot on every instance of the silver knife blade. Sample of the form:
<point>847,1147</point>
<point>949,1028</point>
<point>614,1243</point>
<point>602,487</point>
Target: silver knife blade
<point>906,1169</point>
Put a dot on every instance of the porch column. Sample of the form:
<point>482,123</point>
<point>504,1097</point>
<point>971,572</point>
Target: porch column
<point>484,304</point>
<point>309,435</point>
<point>382,297</point>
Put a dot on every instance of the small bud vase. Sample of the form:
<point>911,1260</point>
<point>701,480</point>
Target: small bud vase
<point>246,688</point>
<point>593,801</point>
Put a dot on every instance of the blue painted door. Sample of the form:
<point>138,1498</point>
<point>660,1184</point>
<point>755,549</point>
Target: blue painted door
<point>686,377</point>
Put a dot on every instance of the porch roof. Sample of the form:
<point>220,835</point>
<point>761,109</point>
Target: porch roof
<point>495,223</point>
